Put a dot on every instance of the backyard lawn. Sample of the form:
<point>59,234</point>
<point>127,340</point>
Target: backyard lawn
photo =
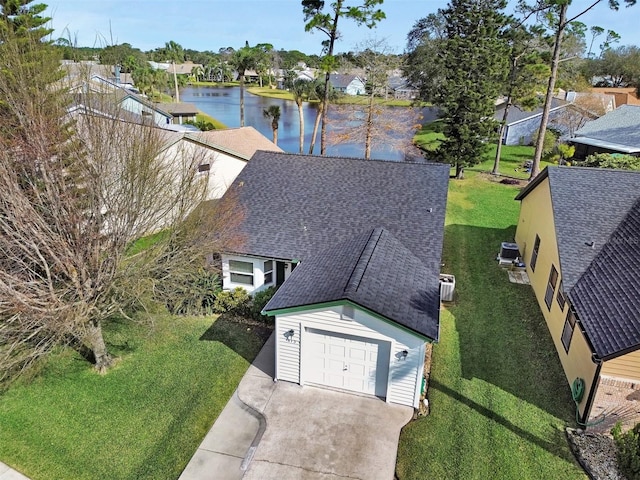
<point>499,400</point>
<point>144,419</point>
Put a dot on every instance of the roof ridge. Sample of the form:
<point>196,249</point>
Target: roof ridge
<point>360,159</point>
<point>360,267</point>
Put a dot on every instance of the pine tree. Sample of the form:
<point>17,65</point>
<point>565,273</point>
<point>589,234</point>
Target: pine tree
<point>474,63</point>
<point>20,18</point>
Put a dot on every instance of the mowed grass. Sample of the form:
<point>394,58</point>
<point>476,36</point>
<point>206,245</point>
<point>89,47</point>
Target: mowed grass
<point>144,419</point>
<point>499,400</point>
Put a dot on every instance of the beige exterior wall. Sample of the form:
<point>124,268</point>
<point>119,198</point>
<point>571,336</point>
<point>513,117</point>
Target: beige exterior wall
<point>536,218</point>
<point>626,367</point>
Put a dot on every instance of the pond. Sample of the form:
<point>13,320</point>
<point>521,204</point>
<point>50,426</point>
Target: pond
<point>223,103</point>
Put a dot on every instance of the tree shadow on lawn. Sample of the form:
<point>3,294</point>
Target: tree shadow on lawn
<point>244,336</point>
<point>503,337</point>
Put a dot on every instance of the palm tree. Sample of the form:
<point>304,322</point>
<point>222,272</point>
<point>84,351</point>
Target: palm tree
<point>317,93</point>
<point>300,91</point>
<point>198,72</point>
<point>273,113</point>
<point>243,60</point>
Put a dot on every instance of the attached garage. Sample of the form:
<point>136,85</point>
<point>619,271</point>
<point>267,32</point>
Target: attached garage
<point>346,319</point>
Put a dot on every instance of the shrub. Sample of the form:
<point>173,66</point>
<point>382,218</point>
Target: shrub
<point>612,160</point>
<point>194,294</point>
<point>235,301</point>
<point>550,140</point>
<point>260,299</point>
<point>628,451</point>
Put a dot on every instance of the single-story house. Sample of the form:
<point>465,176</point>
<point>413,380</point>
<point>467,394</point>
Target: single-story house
<point>401,89</point>
<point>347,84</point>
<point>616,132</point>
<point>182,112</point>
<point>141,106</point>
<point>355,247</point>
<point>579,235</point>
<point>228,152</point>
<point>522,124</point>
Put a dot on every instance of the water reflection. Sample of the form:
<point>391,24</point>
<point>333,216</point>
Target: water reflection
<point>223,103</point>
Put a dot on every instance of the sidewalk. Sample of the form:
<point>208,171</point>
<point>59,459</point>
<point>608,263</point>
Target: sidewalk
<point>8,473</point>
<point>227,450</point>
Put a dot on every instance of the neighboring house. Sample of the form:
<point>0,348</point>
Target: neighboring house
<point>578,234</point>
<point>616,132</point>
<point>522,124</point>
<point>141,106</point>
<point>622,95</point>
<point>181,112</point>
<point>365,239</point>
<point>179,68</point>
<point>229,152</point>
<point>90,69</point>
<point>347,84</point>
<point>400,88</point>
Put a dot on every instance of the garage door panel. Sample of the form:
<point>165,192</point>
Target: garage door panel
<point>347,362</point>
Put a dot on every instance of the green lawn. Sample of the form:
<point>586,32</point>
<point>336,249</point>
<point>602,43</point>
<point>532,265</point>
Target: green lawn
<point>142,420</point>
<point>499,400</point>
<point>343,100</point>
<point>217,124</point>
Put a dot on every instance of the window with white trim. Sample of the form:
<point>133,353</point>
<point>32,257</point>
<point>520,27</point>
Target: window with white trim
<point>551,287</point>
<point>268,271</point>
<point>567,331</point>
<point>562,301</point>
<point>241,272</point>
<point>534,254</point>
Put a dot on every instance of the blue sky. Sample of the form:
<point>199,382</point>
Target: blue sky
<point>213,24</point>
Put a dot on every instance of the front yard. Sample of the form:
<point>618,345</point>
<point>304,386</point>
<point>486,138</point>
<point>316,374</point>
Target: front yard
<point>144,419</point>
<point>499,400</point>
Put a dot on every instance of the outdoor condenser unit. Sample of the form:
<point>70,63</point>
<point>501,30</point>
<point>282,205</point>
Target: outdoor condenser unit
<point>509,251</point>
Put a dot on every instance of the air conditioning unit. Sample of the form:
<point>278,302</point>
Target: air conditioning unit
<point>509,251</point>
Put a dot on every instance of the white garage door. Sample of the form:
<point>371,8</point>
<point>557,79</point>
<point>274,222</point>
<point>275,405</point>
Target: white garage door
<point>347,362</point>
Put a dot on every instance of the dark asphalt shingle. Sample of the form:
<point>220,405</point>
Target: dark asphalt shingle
<point>296,205</point>
<point>373,270</point>
<point>618,127</point>
<point>602,281</point>
<point>607,296</point>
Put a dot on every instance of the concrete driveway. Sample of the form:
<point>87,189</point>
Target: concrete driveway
<point>304,433</point>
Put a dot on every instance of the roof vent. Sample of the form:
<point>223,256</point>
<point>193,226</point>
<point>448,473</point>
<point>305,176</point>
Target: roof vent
<point>590,243</point>
<point>429,210</point>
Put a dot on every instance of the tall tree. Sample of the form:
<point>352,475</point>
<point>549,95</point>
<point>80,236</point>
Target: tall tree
<point>243,60</point>
<point>22,19</point>
<point>316,18</point>
<point>526,76</point>
<point>317,92</point>
<point>557,13</point>
<point>75,195</point>
<point>273,114</point>
<point>475,67</point>
<point>300,91</point>
<point>425,44</point>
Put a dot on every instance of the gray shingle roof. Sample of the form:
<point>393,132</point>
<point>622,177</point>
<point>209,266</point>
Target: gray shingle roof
<point>296,205</point>
<point>602,281</point>
<point>517,114</point>
<point>341,80</point>
<point>607,296</point>
<point>621,127</point>
<point>588,205</point>
<point>373,270</point>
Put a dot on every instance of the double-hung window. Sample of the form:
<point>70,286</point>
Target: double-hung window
<point>534,254</point>
<point>268,271</point>
<point>560,297</point>
<point>567,331</point>
<point>241,272</point>
<point>551,287</point>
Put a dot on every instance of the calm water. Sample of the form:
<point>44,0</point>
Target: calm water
<point>223,103</point>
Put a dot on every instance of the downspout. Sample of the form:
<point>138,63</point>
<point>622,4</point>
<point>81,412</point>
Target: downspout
<point>592,390</point>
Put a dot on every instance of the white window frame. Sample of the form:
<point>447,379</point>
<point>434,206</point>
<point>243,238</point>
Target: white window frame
<point>268,272</point>
<point>242,273</point>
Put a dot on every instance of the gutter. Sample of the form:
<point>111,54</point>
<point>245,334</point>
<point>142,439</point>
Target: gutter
<point>592,390</point>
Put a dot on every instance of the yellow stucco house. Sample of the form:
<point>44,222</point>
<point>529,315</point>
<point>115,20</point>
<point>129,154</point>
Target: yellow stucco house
<point>579,236</point>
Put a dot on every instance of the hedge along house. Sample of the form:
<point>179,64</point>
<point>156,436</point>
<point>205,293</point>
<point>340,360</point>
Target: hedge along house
<point>367,235</point>
<point>579,235</point>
